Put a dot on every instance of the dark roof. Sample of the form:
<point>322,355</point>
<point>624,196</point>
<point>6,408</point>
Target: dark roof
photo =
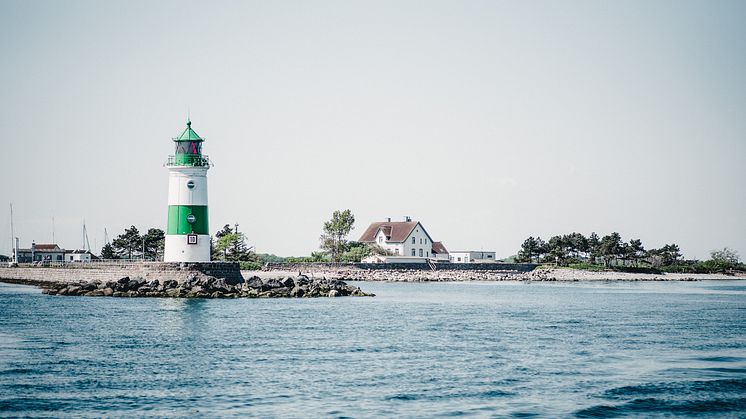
<point>46,247</point>
<point>439,248</point>
<point>395,231</point>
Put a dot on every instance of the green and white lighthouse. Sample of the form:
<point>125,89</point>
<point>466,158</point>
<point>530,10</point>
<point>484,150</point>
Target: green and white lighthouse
<point>187,232</point>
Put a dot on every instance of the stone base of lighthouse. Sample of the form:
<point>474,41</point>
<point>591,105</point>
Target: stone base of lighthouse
<point>177,249</point>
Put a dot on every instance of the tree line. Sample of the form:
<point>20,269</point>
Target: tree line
<point>611,250</point>
<point>227,244</point>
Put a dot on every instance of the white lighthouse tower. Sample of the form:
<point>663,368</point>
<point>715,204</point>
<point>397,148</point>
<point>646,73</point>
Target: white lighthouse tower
<point>187,232</point>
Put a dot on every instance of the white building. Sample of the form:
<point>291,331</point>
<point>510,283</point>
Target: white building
<point>472,256</point>
<point>78,256</point>
<point>404,238</point>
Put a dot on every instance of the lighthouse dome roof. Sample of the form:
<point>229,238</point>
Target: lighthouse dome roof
<point>188,134</point>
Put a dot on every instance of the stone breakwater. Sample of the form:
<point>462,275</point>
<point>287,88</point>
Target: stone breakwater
<point>178,280</point>
<point>458,275</point>
<point>208,287</point>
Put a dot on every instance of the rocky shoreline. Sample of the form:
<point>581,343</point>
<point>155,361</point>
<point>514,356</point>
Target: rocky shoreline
<point>196,286</point>
<point>538,275</point>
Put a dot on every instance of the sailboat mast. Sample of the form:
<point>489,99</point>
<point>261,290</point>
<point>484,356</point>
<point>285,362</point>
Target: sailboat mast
<point>86,243</point>
<point>13,235</point>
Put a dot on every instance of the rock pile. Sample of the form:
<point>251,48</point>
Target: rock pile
<point>197,286</point>
<point>411,275</point>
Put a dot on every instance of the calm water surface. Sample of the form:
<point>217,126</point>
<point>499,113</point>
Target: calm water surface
<point>481,349</point>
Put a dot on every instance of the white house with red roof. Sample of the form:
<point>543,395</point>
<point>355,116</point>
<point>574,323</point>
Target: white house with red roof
<point>405,239</point>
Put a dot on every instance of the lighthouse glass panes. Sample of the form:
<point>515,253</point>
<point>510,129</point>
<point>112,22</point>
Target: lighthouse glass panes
<point>187,231</point>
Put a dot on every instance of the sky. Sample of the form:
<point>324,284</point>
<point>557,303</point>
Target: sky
<point>487,121</point>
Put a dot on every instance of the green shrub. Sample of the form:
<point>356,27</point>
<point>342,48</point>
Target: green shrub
<point>250,266</point>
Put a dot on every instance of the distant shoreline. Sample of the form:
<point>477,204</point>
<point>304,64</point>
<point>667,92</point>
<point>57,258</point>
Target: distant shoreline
<point>552,274</point>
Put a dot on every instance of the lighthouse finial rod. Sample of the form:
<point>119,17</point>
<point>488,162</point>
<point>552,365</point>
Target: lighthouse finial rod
<point>189,118</point>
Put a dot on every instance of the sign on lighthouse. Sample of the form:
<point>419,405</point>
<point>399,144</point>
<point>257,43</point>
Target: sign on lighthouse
<point>187,233</point>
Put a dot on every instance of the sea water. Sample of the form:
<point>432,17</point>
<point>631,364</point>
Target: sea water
<point>584,349</point>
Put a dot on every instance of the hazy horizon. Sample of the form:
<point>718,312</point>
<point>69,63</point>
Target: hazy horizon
<point>487,121</point>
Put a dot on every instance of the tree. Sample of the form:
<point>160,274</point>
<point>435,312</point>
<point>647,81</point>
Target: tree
<point>611,247</point>
<point>154,240</point>
<point>722,260</point>
<point>231,246</point>
<point>577,244</point>
<point>529,249</point>
<point>670,254</point>
<point>128,244</point>
<point>107,252</point>
<point>334,238</point>
<point>557,248</point>
<point>356,251</point>
<point>594,247</point>
<point>636,251</point>
<point>726,256</point>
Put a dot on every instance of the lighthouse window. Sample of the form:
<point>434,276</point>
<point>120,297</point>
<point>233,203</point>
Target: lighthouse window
<point>188,147</point>
<point>191,218</point>
<point>190,184</point>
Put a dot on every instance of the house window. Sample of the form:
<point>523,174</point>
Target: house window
<point>413,241</point>
<point>489,256</point>
<point>420,252</point>
<point>396,252</point>
<point>459,258</point>
<point>413,253</point>
<point>380,239</point>
<point>427,254</point>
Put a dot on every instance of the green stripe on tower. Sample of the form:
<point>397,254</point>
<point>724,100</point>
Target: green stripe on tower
<point>179,224</point>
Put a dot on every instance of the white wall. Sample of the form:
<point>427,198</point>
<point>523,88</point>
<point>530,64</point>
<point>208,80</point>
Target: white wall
<point>472,256</point>
<point>421,242</point>
<point>179,193</point>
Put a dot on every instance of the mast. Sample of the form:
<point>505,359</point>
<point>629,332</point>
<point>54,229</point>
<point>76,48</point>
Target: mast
<point>13,236</point>
<point>86,243</point>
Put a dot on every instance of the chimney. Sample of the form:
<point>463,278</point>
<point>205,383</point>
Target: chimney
<point>388,220</point>
<point>407,218</point>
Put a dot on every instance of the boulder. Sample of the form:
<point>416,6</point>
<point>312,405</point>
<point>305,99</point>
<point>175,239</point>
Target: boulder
<point>333,293</point>
<point>273,283</point>
<point>297,292</point>
<point>88,287</point>
<point>170,283</point>
<point>254,282</point>
<point>108,292</point>
<point>288,283</point>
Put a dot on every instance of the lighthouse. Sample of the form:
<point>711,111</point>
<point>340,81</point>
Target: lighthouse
<point>187,233</point>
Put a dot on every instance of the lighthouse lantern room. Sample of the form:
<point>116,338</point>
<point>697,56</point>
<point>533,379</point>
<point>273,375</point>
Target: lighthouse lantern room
<point>187,232</point>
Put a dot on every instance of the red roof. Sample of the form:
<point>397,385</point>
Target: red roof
<point>439,249</point>
<point>46,247</point>
<point>395,231</point>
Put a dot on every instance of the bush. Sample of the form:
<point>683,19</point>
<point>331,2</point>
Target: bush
<point>587,266</point>
<point>250,266</point>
